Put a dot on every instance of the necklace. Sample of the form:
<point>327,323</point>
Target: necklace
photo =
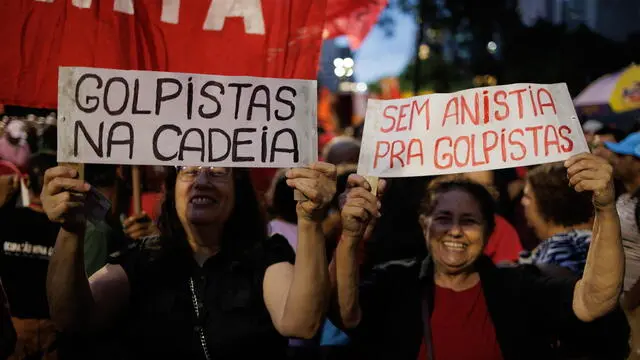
<point>203,338</point>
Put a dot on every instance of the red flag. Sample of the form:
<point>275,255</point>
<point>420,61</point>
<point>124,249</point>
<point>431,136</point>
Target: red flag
<point>354,18</point>
<point>272,38</point>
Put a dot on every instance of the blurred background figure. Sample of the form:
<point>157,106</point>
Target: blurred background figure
<point>342,150</point>
<point>590,128</point>
<point>8,338</point>
<point>13,145</point>
<point>27,240</point>
<point>561,218</point>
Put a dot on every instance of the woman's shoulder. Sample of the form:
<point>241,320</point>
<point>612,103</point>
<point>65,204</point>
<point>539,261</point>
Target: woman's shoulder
<point>148,246</point>
<point>537,281</point>
<point>138,256</point>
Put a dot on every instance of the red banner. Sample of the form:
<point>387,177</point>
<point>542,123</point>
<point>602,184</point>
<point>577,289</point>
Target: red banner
<point>272,38</point>
<point>352,18</point>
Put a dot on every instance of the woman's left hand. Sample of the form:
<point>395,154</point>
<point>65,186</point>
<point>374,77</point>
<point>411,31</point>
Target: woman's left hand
<point>318,184</point>
<point>588,172</point>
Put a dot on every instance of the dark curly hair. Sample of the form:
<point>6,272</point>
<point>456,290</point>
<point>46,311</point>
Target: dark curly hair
<point>283,202</point>
<point>557,201</point>
<point>244,230</point>
<point>483,197</point>
<point>397,234</point>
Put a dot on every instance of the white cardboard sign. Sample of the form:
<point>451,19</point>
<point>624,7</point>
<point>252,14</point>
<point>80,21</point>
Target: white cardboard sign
<point>160,118</point>
<point>472,130</point>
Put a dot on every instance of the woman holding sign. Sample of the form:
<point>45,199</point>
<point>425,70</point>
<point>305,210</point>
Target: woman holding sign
<point>456,304</point>
<point>213,285</point>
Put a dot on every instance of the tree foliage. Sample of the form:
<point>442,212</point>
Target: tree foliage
<point>543,53</point>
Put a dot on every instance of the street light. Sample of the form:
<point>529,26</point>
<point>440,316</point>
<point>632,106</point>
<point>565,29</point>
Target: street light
<point>343,67</point>
<point>348,62</point>
<point>492,47</point>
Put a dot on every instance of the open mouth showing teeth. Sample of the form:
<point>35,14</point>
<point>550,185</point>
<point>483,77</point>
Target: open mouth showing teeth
<point>456,246</point>
<point>202,200</point>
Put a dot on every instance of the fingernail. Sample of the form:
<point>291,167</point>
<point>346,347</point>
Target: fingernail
<point>379,205</point>
<point>288,173</point>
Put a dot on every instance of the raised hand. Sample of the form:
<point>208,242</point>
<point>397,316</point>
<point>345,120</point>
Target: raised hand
<point>63,197</point>
<point>139,226</point>
<point>588,172</point>
<point>318,184</point>
<point>360,207</point>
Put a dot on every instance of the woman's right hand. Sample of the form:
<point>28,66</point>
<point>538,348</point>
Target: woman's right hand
<point>360,207</point>
<point>63,197</point>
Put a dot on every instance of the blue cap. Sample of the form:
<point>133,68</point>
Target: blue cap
<point>629,146</point>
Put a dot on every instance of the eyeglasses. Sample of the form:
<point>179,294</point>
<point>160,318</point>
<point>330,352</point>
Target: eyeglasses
<point>190,173</point>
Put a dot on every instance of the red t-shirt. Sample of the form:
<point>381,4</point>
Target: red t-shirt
<point>461,327</point>
<point>504,244</point>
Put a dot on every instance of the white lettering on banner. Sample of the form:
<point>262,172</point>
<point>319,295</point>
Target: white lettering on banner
<point>170,11</point>
<point>160,118</point>
<point>249,10</point>
<point>123,6</point>
<point>219,10</point>
<point>471,130</point>
<point>82,4</point>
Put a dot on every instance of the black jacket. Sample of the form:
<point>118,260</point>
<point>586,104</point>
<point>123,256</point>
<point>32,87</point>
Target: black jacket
<point>532,314</point>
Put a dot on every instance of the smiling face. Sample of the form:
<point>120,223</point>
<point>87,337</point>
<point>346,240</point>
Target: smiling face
<point>204,196</point>
<point>455,231</point>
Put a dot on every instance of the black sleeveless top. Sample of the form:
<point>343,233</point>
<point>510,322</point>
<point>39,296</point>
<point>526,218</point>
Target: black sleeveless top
<point>161,321</point>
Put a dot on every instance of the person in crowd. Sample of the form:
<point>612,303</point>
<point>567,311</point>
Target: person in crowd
<point>589,128</point>
<point>560,217</point>
<point>609,135</point>
<point>282,206</point>
<point>503,245</point>
<point>280,198</point>
<point>456,304</point>
<point>8,338</point>
<point>27,240</point>
<point>13,145</point>
<point>213,285</point>
<point>103,237</point>
<point>606,135</point>
<point>626,164</point>
<point>342,150</point>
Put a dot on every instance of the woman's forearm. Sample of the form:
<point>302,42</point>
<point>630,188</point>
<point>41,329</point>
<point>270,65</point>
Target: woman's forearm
<point>346,284</point>
<point>68,291</point>
<point>598,291</point>
<point>309,292</point>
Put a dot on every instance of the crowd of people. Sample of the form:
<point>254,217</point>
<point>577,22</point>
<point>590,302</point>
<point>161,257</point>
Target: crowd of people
<point>523,263</point>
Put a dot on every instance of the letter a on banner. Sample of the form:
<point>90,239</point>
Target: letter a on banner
<point>249,10</point>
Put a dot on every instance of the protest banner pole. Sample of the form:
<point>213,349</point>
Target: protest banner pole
<point>136,186</point>
<point>373,182</point>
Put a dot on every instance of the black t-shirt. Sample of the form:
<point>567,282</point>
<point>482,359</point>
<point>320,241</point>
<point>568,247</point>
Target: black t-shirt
<point>161,321</point>
<point>27,238</point>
